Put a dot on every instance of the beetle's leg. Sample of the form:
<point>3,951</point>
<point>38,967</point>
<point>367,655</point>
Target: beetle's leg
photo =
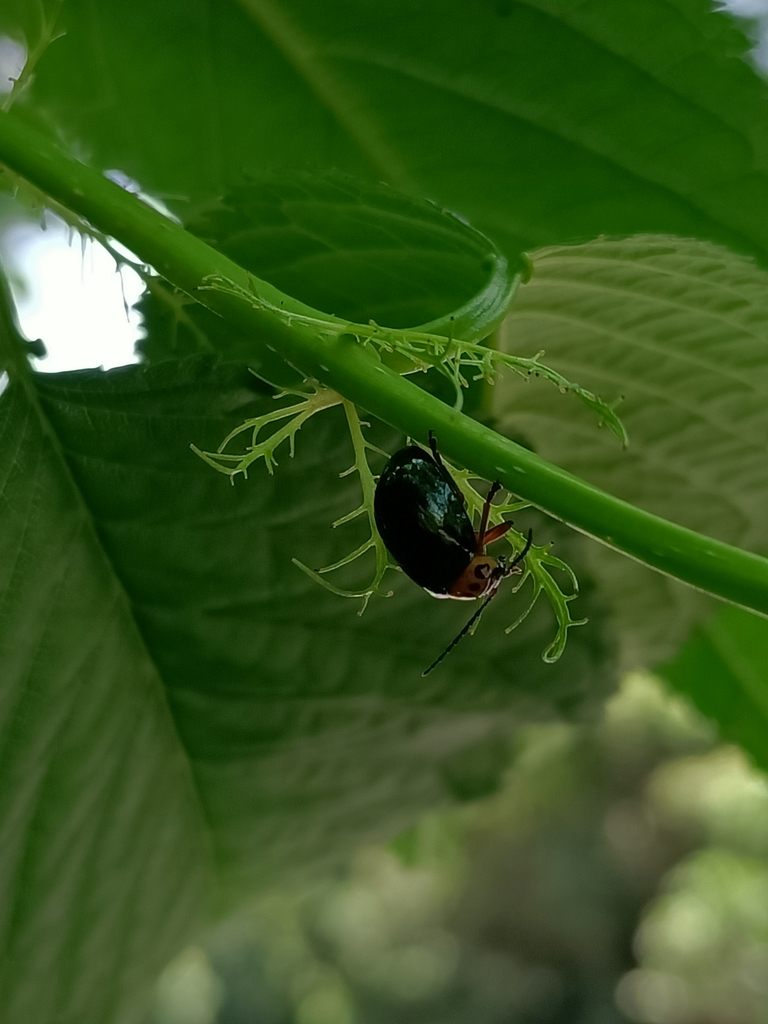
<point>435,452</point>
<point>449,479</point>
<point>481,533</point>
<point>518,558</point>
<point>496,533</point>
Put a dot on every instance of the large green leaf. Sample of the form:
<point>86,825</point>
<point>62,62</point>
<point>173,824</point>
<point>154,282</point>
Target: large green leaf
<point>679,329</point>
<point>135,576</point>
<point>541,121</point>
<point>102,853</point>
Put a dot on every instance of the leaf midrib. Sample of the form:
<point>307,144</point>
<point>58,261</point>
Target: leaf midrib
<point>20,374</point>
<point>293,46</point>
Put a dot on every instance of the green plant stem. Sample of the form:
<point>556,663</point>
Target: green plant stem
<point>336,358</point>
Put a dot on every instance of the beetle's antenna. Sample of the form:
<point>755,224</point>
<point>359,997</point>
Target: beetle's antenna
<point>463,633</point>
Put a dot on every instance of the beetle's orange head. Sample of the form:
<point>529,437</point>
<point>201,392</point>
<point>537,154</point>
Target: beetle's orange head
<point>477,580</point>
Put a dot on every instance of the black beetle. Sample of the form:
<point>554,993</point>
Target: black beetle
<point>422,520</point>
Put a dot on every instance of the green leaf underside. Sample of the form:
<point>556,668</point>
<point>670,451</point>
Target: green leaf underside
<point>679,328</point>
<point>577,119</point>
<point>723,669</point>
<point>308,728</point>
<point>101,851</point>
